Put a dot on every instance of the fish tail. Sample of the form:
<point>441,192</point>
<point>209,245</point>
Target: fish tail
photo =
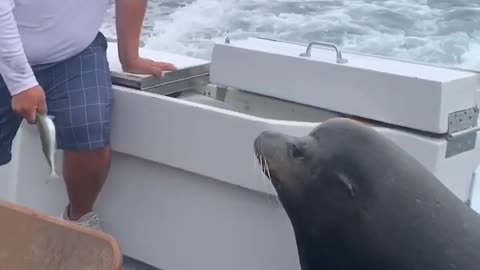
<point>53,175</point>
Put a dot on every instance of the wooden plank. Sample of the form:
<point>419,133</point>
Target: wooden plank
<point>30,240</point>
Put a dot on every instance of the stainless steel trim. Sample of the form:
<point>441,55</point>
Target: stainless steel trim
<point>461,143</point>
<point>193,83</point>
<point>462,131</point>
<point>142,82</point>
<point>451,136</point>
<point>462,120</point>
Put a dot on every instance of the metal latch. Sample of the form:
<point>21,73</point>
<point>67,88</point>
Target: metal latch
<point>462,131</point>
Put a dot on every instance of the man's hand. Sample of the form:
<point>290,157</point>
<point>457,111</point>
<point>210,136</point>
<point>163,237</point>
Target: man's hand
<point>129,20</point>
<point>147,66</point>
<point>29,102</point>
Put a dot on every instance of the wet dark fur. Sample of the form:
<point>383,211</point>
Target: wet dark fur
<point>356,201</point>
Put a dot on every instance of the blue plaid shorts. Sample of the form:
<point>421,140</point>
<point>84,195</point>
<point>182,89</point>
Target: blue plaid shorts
<point>79,95</point>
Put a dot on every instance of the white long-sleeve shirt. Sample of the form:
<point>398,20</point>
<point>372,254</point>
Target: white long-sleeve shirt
<point>43,31</point>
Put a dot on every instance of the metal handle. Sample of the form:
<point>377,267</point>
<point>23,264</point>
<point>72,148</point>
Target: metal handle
<point>340,59</point>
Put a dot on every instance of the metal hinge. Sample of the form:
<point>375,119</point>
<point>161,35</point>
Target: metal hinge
<point>462,131</point>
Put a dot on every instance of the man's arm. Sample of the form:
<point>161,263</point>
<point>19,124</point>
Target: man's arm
<point>14,65</point>
<point>129,20</point>
<point>28,97</point>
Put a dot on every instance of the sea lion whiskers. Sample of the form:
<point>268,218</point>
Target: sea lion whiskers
<point>262,160</point>
<point>259,161</point>
<point>267,174</point>
<point>258,164</point>
<point>265,171</point>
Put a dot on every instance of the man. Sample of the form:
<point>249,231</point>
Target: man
<point>53,60</point>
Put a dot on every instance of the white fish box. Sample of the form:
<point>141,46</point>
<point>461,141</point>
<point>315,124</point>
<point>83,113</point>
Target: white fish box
<point>401,93</point>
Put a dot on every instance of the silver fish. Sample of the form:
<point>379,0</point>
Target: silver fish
<point>47,132</point>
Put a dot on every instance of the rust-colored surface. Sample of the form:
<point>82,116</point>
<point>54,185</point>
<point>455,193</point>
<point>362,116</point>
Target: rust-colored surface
<point>360,119</point>
<point>33,241</point>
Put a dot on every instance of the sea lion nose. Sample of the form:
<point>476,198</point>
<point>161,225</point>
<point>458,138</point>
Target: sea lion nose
<point>263,136</point>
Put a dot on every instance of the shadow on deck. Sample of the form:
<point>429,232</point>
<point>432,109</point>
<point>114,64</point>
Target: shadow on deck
<point>132,264</point>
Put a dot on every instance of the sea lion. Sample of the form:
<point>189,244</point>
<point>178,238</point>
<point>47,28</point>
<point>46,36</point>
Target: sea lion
<point>358,201</point>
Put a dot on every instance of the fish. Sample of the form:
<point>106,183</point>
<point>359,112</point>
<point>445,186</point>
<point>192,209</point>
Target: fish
<point>47,131</point>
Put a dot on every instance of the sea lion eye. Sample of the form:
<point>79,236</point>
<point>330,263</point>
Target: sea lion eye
<point>296,151</point>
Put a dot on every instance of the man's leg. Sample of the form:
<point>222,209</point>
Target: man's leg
<point>85,173</point>
<point>81,102</point>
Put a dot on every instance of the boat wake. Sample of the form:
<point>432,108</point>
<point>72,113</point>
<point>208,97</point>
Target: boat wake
<point>441,32</point>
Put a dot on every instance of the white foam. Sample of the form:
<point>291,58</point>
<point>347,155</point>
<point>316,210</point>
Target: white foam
<point>471,58</point>
<point>439,31</point>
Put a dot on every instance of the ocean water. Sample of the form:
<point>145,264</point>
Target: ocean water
<point>435,31</point>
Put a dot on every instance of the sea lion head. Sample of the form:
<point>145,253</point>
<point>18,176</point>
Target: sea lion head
<point>323,180</point>
<point>318,172</point>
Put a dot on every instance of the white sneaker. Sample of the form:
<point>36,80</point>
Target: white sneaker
<point>90,219</point>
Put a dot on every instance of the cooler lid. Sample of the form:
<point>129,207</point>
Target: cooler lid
<point>412,95</point>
